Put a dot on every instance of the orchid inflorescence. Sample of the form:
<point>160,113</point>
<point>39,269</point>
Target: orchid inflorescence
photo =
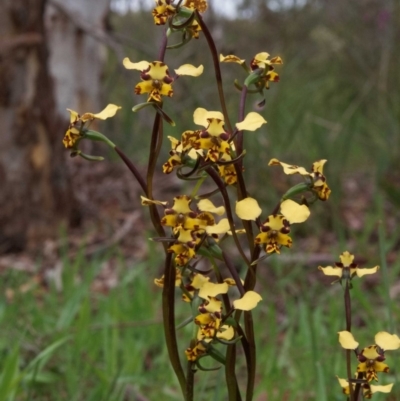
<point>198,235</point>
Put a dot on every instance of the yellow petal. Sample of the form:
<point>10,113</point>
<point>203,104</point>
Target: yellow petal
<point>382,389</point>
<point>181,204</point>
<point>174,141</point>
<point>347,340</point>
<point>73,115</point>
<point>230,58</point>
<point>221,228</point>
<point>199,280</point>
<point>294,212</point>
<point>346,258</point>
<point>251,122</point>
<point>343,382</point>
<point>248,302</point>
<point>263,56</point>
<point>363,272</point>
<point>204,318</point>
<point>248,209</point>
<point>230,281</point>
<point>212,290</point>
<point>213,305</point>
<point>194,154</point>
<point>226,332</point>
<point>205,205</point>
<point>141,65</point>
<point>201,116</point>
<point>276,60</point>
<point>148,202</point>
<point>318,166</point>
<point>109,111</point>
<point>288,168</point>
<point>188,69</point>
<point>387,341</point>
<point>331,271</point>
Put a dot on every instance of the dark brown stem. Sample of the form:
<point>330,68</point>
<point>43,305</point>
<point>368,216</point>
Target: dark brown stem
<point>357,389</point>
<point>234,273</point>
<point>215,58</point>
<point>154,215</point>
<point>168,309</point>
<point>252,359</point>
<point>241,190</point>
<point>347,307</point>
<point>216,178</point>
<point>132,168</point>
<point>163,46</point>
<point>242,105</point>
<point>230,374</point>
<point>189,382</point>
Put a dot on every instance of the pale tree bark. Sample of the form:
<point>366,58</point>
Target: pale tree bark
<point>35,190</point>
<point>77,54</point>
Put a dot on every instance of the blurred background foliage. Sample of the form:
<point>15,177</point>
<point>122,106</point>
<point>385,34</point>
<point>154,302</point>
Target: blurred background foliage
<point>338,99</point>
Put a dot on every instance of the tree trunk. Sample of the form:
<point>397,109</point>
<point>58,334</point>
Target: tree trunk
<point>48,61</point>
<point>77,55</point>
<point>35,195</point>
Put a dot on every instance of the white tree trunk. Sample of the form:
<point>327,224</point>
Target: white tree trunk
<point>76,57</point>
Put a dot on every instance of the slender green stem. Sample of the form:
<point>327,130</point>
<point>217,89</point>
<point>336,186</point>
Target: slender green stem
<point>197,186</point>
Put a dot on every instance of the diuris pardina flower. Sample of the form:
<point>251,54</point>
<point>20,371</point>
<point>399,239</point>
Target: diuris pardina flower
<point>367,389</point>
<point>180,216</point>
<point>316,179</point>
<point>261,61</point>
<point>211,313</point>
<point>346,268</point>
<point>179,155</point>
<point>371,358</point>
<point>190,226</point>
<point>166,9</point>
<point>276,228</point>
<point>211,143</point>
<point>159,282</point>
<point>156,80</point>
<point>79,123</point>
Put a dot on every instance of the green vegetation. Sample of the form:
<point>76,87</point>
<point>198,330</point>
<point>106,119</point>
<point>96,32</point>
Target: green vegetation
<point>78,344</point>
<point>336,100</point>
